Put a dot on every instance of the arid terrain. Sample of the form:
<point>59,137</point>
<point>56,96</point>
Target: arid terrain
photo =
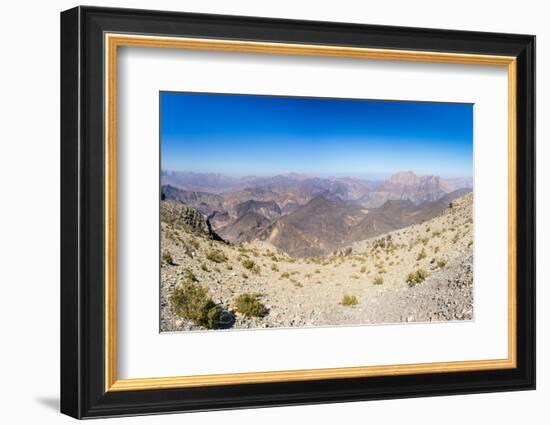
<point>296,250</point>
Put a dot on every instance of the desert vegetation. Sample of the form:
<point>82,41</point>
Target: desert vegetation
<point>349,300</point>
<point>191,301</point>
<point>216,256</point>
<point>378,280</point>
<point>417,277</point>
<point>249,304</point>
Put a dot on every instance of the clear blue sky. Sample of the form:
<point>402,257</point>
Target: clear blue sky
<point>266,135</point>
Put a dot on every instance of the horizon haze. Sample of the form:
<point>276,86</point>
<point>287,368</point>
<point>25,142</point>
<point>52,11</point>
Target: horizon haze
<point>366,176</point>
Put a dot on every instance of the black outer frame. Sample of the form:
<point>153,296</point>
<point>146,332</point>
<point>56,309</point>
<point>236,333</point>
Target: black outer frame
<point>82,219</point>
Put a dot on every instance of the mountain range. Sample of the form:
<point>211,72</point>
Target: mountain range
<point>311,216</point>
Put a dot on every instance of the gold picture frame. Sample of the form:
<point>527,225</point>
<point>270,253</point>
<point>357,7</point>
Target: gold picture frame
<point>113,41</point>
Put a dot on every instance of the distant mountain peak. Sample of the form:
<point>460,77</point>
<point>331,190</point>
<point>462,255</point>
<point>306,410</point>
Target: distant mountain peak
<point>403,177</point>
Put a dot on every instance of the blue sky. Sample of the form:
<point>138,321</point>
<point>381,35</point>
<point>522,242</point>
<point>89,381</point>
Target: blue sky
<point>241,135</point>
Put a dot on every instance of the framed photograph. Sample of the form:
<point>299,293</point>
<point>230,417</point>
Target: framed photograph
<point>261,212</point>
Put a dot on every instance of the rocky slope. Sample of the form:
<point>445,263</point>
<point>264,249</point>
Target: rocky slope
<point>245,228</point>
<point>314,229</point>
<point>422,272</point>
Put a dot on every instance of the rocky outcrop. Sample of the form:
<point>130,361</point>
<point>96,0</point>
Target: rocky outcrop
<point>206,203</point>
<point>189,219</point>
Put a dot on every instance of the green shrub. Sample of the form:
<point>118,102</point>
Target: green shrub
<point>383,243</point>
<point>256,269</point>
<point>244,275</point>
<point>363,269</point>
<point>216,256</point>
<point>190,276</point>
<point>274,267</point>
<point>441,264</point>
<point>421,255</point>
<point>417,277</point>
<point>249,305</point>
<point>378,280</point>
<point>191,301</point>
<point>204,268</point>
<point>248,264</point>
<point>285,275</point>
<point>349,300</point>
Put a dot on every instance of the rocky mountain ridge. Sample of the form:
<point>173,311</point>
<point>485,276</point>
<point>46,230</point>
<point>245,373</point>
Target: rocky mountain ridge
<point>300,188</point>
<point>310,216</point>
